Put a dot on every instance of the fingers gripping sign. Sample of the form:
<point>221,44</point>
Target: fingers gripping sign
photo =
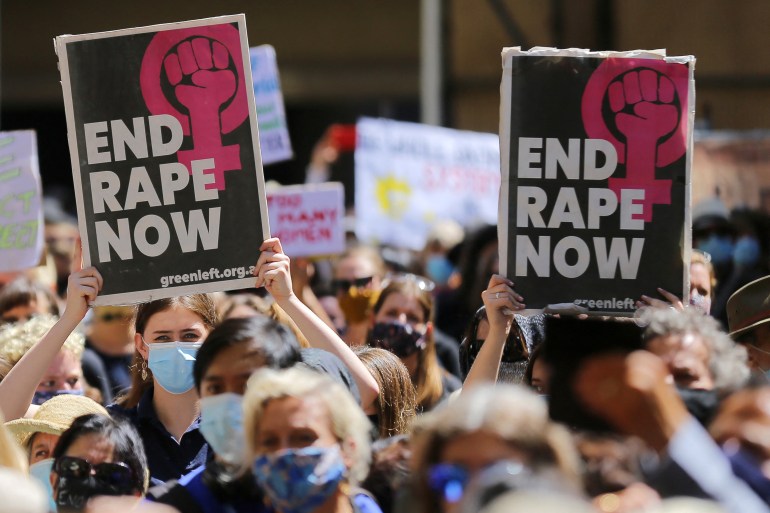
<point>83,285</point>
<point>273,270</point>
<point>501,300</point>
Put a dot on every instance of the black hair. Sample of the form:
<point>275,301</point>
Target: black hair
<point>515,349</point>
<point>277,344</point>
<point>127,444</point>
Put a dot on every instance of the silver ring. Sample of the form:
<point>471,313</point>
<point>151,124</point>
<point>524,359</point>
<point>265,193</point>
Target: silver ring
<point>497,295</point>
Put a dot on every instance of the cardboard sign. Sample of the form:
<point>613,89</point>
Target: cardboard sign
<point>21,210</point>
<point>308,219</point>
<point>409,176</point>
<point>165,155</point>
<point>273,134</point>
<point>596,152</point>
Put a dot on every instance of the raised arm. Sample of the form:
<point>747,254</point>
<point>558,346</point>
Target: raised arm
<point>18,387</point>
<point>272,272</point>
<point>500,301</point>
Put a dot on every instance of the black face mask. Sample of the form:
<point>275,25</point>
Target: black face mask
<point>702,404</point>
<point>400,339</point>
<point>74,492</point>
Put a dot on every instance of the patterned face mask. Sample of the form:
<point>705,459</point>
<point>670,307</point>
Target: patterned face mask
<point>300,480</point>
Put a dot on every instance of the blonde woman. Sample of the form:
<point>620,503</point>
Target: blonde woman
<point>485,425</point>
<point>308,440</point>
<point>64,374</point>
<point>18,388</point>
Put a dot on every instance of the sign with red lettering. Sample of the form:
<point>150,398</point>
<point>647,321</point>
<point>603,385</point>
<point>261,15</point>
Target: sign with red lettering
<point>596,154</point>
<point>308,219</point>
<point>410,176</point>
<point>165,156</point>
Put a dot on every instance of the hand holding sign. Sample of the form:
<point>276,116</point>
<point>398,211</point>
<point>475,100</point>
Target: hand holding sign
<point>272,270</point>
<point>83,286</point>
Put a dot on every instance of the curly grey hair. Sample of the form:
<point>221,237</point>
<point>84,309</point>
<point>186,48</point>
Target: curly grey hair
<point>728,361</point>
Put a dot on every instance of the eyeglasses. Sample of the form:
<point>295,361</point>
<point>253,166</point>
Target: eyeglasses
<point>421,282</point>
<point>117,475</point>
<point>344,285</point>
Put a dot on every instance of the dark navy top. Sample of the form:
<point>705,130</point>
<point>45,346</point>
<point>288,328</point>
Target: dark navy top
<point>166,458</point>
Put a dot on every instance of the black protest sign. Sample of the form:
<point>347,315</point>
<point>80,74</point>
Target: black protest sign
<point>165,156</point>
<point>595,153</point>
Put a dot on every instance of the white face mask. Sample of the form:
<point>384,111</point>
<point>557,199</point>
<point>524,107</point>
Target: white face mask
<point>222,426</point>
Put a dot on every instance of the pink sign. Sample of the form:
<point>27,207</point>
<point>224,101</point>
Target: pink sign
<point>308,219</point>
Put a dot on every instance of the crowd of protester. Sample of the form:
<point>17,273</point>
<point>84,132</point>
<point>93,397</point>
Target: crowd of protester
<point>369,384</point>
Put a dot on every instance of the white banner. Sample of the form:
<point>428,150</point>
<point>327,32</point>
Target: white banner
<point>21,211</point>
<point>271,117</point>
<point>308,218</point>
<point>409,176</point>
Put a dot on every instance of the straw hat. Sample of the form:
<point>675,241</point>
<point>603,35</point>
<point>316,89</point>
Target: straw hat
<point>54,416</point>
<point>749,307</point>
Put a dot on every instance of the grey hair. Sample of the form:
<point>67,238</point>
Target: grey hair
<point>728,361</point>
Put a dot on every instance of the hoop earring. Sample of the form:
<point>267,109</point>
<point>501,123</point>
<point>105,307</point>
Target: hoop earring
<point>144,370</point>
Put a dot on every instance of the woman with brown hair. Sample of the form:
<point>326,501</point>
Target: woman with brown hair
<point>395,408</point>
<point>167,416</point>
<point>402,324</point>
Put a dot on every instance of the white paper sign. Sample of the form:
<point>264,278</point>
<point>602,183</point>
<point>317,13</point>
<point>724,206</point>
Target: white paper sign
<point>308,218</point>
<point>409,176</point>
<point>21,211</point>
<point>271,116</point>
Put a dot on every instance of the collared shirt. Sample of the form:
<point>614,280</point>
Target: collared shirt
<point>166,458</point>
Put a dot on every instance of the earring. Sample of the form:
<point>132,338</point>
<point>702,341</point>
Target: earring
<point>144,370</point>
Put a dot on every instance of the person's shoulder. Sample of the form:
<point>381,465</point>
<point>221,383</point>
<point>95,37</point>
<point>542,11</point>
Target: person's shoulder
<point>450,383</point>
<point>118,410</point>
<point>363,502</point>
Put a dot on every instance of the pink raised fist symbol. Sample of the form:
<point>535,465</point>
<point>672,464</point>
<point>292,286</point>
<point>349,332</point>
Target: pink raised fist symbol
<point>203,69</point>
<point>647,109</point>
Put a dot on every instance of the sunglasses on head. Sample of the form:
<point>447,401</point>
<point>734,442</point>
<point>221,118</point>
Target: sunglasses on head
<point>422,283</point>
<point>117,475</point>
<point>344,285</point>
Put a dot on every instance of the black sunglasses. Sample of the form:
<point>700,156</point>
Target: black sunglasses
<point>118,474</point>
<point>344,285</point>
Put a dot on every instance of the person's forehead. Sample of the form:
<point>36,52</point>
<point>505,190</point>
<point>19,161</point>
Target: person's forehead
<point>299,412</point>
<point>354,266</point>
<point>176,318</point>
<point>92,447</point>
<point>40,439</point>
<point>699,274</point>
<point>64,363</point>
<point>236,359</point>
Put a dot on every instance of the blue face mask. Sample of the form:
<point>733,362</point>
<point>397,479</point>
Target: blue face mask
<point>41,471</point>
<point>746,252</point>
<point>172,363</point>
<point>439,268</point>
<point>300,480</point>
<point>720,247</point>
<point>42,396</point>
<point>222,426</point>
